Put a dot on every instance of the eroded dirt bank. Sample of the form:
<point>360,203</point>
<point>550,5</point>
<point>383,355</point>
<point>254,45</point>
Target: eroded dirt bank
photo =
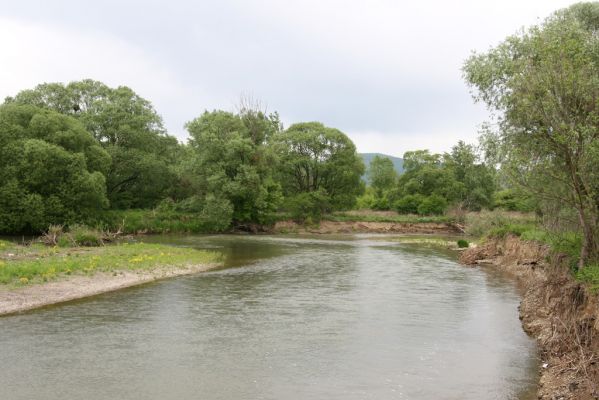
<point>334,227</point>
<point>556,310</point>
<point>80,286</point>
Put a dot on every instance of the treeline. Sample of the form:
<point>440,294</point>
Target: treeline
<point>73,153</point>
<point>431,183</point>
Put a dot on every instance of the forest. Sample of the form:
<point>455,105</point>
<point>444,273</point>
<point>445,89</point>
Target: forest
<point>85,153</point>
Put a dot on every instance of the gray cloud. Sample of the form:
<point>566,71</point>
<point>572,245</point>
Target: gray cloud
<point>385,72</point>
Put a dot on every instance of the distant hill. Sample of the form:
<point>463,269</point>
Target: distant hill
<point>397,162</point>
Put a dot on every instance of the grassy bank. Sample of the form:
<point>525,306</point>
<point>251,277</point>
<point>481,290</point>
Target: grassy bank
<point>36,263</point>
<point>152,221</point>
<point>500,224</point>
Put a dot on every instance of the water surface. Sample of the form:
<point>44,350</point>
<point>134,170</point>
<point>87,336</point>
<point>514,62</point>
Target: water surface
<point>287,318</point>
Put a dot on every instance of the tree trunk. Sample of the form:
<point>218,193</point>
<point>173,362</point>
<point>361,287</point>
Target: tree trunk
<point>589,250</point>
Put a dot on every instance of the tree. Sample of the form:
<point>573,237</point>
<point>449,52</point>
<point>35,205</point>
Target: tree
<point>234,163</point>
<point>543,83</point>
<point>51,170</point>
<point>381,175</point>
<point>477,179</point>
<point>426,174</point>
<point>128,128</point>
<point>315,158</point>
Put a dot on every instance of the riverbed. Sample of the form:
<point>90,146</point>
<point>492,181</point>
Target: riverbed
<point>352,317</point>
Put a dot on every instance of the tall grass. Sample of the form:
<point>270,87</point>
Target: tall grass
<point>152,221</point>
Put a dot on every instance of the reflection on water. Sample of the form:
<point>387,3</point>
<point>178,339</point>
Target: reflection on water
<point>288,318</point>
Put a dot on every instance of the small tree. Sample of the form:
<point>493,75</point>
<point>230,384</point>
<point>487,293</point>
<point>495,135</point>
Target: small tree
<point>381,175</point>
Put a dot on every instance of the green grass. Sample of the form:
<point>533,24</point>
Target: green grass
<point>398,218</point>
<point>151,221</point>
<point>590,276</point>
<point>21,265</point>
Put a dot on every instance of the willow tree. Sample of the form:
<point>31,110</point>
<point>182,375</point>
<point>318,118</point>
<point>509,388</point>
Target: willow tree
<point>543,86</point>
<point>127,126</point>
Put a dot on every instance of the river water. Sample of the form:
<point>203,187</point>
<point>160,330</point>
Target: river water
<point>360,317</point>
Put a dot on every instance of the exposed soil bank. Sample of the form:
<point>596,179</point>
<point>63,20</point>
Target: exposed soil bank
<point>558,311</point>
<point>333,227</point>
<point>80,286</point>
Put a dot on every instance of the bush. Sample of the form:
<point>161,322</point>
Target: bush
<point>84,236</point>
<point>432,205</point>
<point>217,214</point>
<point>462,244</point>
<point>408,204</point>
<point>193,204</point>
<point>308,207</point>
<point>513,200</point>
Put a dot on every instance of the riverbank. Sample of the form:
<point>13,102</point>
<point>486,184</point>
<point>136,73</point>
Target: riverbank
<point>344,227</point>
<point>560,312</point>
<point>36,275</point>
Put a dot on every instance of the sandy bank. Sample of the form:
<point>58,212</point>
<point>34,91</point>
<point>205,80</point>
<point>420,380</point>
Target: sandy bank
<point>559,312</point>
<point>80,286</point>
<point>335,227</point>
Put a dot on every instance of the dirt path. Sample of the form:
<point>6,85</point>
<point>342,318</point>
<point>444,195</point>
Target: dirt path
<point>79,286</point>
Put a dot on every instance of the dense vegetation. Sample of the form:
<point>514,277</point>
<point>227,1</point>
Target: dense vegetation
<point>543,85</point>
<point>87,153</point>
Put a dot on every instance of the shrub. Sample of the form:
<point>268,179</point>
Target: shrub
<point>408,204</point>
<point>514,200</point>
<point>217,214</point>
<point>84,236</point>
<point>432,205</point>
<point>462,244</point>
<point>309,207</point>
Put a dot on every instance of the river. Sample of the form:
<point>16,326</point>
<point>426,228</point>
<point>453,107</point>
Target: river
<point>286,318</point>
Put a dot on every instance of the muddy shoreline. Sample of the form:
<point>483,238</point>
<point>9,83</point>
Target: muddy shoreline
<point>560,313</point>
<point>80,286</point>
<point>337,227</point>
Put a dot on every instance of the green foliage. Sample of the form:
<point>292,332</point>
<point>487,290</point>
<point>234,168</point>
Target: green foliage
<point>311,205</point>
<point>432,205</point>
<point>51,170</point>
<point>40,263</point>
<point>381,175</point>
<point>480,224</point>
<point>463,244</point>
<point>233,161</point>
<point>590,276</point>
<point>216,215</point>
<point>542,84</point>
<point>514,200</point>
<point>409,204</point>
<point>81,235</point>
<point>151,221</point>
<point>315,158</point>
<point>138,172</point>
<point>457,178</point>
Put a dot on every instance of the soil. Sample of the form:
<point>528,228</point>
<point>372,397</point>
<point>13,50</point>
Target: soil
<point>335,227</point>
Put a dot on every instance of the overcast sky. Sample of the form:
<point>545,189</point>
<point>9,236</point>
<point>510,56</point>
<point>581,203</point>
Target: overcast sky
<point>385,72</point>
